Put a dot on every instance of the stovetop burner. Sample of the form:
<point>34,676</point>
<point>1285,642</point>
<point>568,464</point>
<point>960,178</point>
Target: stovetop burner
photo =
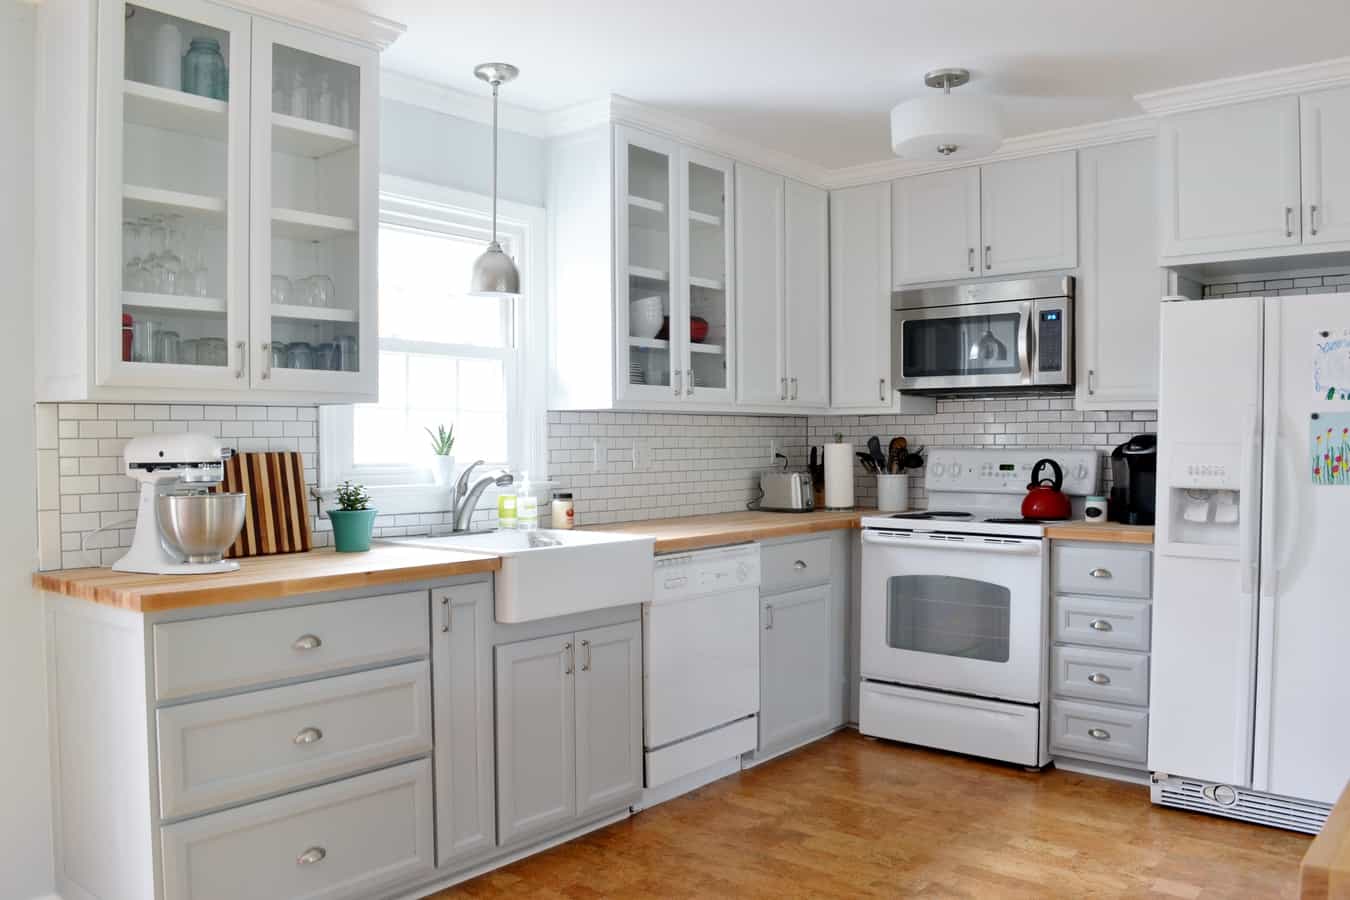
<point>933,514</point>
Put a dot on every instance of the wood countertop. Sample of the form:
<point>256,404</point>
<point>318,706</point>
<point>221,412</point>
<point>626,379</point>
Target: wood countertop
<point>1325,871</point>
<point>1107,532</point>
<point>265,577</point>
<point>698,532</point>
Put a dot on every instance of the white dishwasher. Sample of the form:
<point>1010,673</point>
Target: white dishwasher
<point>700,646</point>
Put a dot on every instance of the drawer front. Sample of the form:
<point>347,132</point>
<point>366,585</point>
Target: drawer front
<point>250,649</point>
<point>348,839</point>
<point>1122,624</point>
<point>239,748</point>
<point>787,567</point>
<point>1102,569</point>
<point>1111,676</point>
<point>1106,731</point>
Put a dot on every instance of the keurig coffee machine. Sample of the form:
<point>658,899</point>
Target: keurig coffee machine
<point>1134,472</point>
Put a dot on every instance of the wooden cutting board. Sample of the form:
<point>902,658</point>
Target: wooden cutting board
<point>277,512</point>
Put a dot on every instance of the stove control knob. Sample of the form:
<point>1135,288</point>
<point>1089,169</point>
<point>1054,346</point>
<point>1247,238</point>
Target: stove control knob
<point>1081,472</point>
<point>939,470</point>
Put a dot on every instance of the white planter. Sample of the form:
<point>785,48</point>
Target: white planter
<point>443,470</point>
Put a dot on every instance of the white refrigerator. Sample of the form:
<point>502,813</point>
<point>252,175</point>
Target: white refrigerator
<point>1251,615</point>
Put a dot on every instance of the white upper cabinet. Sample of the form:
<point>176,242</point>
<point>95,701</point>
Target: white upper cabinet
<point>1229,179</point>
<point>935,226</point>
<point>1119,282</point>
<point>1029,214</point>
<point>1325,124</point>
<point>807,292</point>
<point>204,176</point>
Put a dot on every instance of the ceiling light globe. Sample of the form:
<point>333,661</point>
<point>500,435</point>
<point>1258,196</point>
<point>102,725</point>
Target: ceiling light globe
<point>928,128</point>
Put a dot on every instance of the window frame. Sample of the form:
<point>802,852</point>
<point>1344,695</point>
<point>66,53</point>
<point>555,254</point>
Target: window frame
<point>430,207</point>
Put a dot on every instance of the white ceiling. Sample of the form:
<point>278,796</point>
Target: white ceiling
<point>817,79</point>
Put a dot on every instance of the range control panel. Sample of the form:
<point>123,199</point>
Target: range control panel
<point>706,572</point>
<point>1009,471</point>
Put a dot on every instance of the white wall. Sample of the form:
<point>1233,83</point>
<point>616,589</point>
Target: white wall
<point>25,822</point>
<point>421,143</point>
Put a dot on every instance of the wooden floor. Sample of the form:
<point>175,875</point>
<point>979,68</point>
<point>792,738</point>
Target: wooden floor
<point>848,817</point>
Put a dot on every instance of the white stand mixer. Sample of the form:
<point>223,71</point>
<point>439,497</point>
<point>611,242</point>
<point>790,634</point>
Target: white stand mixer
<point>180,535</point>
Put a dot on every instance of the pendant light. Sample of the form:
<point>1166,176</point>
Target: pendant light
<point>494,274</point>
<point>946,127</point>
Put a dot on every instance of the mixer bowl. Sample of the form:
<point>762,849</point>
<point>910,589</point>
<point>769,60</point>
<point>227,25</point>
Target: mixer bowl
<point>200,527</point>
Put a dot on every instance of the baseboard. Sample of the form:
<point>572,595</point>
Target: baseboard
<point>757,759</point>
<point>1101,770</point>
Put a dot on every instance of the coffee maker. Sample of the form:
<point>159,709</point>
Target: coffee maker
<point>1134,471</point>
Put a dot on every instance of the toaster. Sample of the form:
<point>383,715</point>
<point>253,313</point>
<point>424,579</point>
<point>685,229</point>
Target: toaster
<point>786,491</point>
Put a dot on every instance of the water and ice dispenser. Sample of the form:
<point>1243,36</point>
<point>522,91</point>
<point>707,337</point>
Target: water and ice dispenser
<point>1205,494</point>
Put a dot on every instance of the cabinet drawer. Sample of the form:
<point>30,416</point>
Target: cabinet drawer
<point>1123,624</point>
<point>1106,731</point>
<point>239,748</point>
<point>349,839</point>
<point>1102,569</point>
<point>786,567</point>
<point>249,649</point>
<point>1112,676</point>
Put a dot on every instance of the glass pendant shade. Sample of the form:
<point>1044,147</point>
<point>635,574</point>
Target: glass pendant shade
<point>494,274</point>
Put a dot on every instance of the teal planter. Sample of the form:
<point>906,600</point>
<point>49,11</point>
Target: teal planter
<point>351,529</point>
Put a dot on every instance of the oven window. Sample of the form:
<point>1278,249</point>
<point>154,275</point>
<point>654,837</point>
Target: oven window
<point>948,616</point>
<point>960,345</point>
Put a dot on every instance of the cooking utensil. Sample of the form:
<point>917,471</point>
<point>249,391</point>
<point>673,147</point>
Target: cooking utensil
<point>868,463</point>
<point>914,460</point>
<point>874,448</point>
<point>200,526</point>
<point>1045,498</point>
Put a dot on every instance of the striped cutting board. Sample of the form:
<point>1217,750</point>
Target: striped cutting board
<point>277,516</point>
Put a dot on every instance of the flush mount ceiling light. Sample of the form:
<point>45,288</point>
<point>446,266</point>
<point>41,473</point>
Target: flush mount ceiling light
<point>946,126</point>
<point>494,274</point>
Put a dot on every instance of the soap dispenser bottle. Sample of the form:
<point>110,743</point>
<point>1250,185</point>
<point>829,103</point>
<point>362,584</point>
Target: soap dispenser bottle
<point>527,505</point>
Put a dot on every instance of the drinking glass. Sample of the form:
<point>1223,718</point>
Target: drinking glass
<point>282,290</point>
<point>323,101</point>
<point>143,340</point>
<point>166,347</point>
<point>211,351</point>
<point>326,356</point>
<point>346,353</point>
<point>299,355</point>
<point>187,351</point>
<point>299,94</point>
<point>320,290</point>
<point>171,264</point>
<point>279,354</point>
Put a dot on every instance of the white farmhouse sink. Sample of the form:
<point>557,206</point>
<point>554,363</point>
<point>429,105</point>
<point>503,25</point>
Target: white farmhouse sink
<point>547,573</point>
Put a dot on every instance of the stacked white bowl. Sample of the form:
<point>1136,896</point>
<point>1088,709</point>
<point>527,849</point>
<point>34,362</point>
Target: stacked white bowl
<point>645,317</point>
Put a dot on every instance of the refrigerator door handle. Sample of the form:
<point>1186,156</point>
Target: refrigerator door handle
<point>1249,530</point>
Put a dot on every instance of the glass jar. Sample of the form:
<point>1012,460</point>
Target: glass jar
<point>204,71</point>
<point>346,353</point>
<point>326,356</point>
<point>166,347</point>
<point>212,351</point>
<point>299,355</point>
<point>279,357</point>
<point>143,340</point>
<point>187,351</point>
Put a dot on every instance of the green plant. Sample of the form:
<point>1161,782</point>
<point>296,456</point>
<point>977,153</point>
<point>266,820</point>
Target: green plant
<point>352,497</point>
<point>442,441</point>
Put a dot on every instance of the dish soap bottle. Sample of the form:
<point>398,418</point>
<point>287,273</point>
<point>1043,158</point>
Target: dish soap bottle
<point>527,505</point>
<point>506,511</point>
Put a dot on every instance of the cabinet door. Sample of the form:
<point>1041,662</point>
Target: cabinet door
<point>536,736</point>
<point>173,177</point>
<point>935,226</point>
<point>860,294</point>
<point>796,678</point>
<point>461,667</point>
<point>1119,282</point>
<point>1230,178</point>
<point>807,291</point>
<point>315,213</point>
<point>1325,122</point>
<point>1029,214</point>
<point>609,716</point>
<point>646,195</point>
<point>760,369</point>
<point>707,277</point>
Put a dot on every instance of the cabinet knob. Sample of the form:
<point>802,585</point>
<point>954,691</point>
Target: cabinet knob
<point>307,642</point>
<point>1099,678</point>
<point>799,565</point>
<point>311,856</point>
<point>1099,625</point>
<point>1100,734</point>
<point>309,735</point>
<point>1100,573</point>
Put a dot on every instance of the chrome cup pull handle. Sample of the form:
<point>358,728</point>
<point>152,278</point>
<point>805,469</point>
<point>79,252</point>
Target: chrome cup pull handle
<point>1099,625</point>
<point>1100,573</point>
<point>1099,678</point>
<point>309,735</point>
<point>1100,734</point>
<point>311,856</point>
<point>799,565</point>
<point>307,642</point>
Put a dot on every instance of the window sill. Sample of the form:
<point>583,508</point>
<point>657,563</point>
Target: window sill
<point>399,499</point>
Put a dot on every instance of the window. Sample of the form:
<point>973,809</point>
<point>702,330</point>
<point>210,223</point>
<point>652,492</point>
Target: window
<point>445,358</point>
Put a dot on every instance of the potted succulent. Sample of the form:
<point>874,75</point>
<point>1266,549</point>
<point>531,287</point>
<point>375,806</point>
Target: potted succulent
<point>442,460</point>
<point>353,520</point>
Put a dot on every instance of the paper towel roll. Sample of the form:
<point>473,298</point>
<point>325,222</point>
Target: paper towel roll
<point>838,476</point>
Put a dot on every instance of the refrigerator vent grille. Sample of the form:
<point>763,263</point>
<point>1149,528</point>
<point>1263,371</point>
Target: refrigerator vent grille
<point>1250,806</point>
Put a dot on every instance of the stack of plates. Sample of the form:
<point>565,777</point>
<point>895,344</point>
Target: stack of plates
<point>635,373</point>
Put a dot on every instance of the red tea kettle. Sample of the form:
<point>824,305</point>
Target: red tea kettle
<point>1044,499</point>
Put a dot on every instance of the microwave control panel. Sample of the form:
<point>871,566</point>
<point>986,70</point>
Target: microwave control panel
<point>1050,340</point>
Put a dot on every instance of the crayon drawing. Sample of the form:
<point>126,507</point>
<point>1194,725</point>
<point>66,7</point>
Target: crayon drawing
<point>1329,443</point>
<point>1331,365</point>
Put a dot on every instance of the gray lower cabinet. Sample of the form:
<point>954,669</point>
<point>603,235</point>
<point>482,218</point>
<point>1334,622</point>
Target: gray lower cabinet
<point>795,682</point>
<point>461,657</point>
<point>569,728</point>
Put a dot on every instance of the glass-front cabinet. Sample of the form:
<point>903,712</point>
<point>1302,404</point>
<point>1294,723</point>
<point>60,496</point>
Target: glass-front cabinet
<point>673,253</point>
<point>236,189</point>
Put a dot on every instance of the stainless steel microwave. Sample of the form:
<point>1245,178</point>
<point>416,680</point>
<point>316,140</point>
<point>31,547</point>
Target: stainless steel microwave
<point>1005,334</point>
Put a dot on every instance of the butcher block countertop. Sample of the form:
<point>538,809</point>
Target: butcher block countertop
<point>265,577</point>
<point>698,532</point>
<point>1325,872</point>
<point>1107,532</point>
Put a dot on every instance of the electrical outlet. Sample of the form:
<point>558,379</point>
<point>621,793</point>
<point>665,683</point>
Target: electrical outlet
<point>597,455</point>
<point>773,451</point>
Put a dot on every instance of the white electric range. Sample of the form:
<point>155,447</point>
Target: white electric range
<point>954,607</point>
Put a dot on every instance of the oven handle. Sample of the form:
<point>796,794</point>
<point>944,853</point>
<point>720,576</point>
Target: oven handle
<point>1024,343</point>
<point>971,544</point>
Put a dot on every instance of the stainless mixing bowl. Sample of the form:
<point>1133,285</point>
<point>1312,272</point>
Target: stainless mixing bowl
<point>200,527</point>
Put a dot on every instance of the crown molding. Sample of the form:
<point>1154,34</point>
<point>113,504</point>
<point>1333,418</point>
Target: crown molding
<point>1074,138</point>
<point>353,24</point>
<point>1258,86</point>
<point>460,104</point>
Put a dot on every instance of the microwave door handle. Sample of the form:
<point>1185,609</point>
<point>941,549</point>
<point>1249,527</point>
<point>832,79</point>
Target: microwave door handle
<point>1024,348</point>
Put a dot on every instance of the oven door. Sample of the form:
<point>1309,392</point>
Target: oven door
<point>980,345</point>
<point>962,613</point>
